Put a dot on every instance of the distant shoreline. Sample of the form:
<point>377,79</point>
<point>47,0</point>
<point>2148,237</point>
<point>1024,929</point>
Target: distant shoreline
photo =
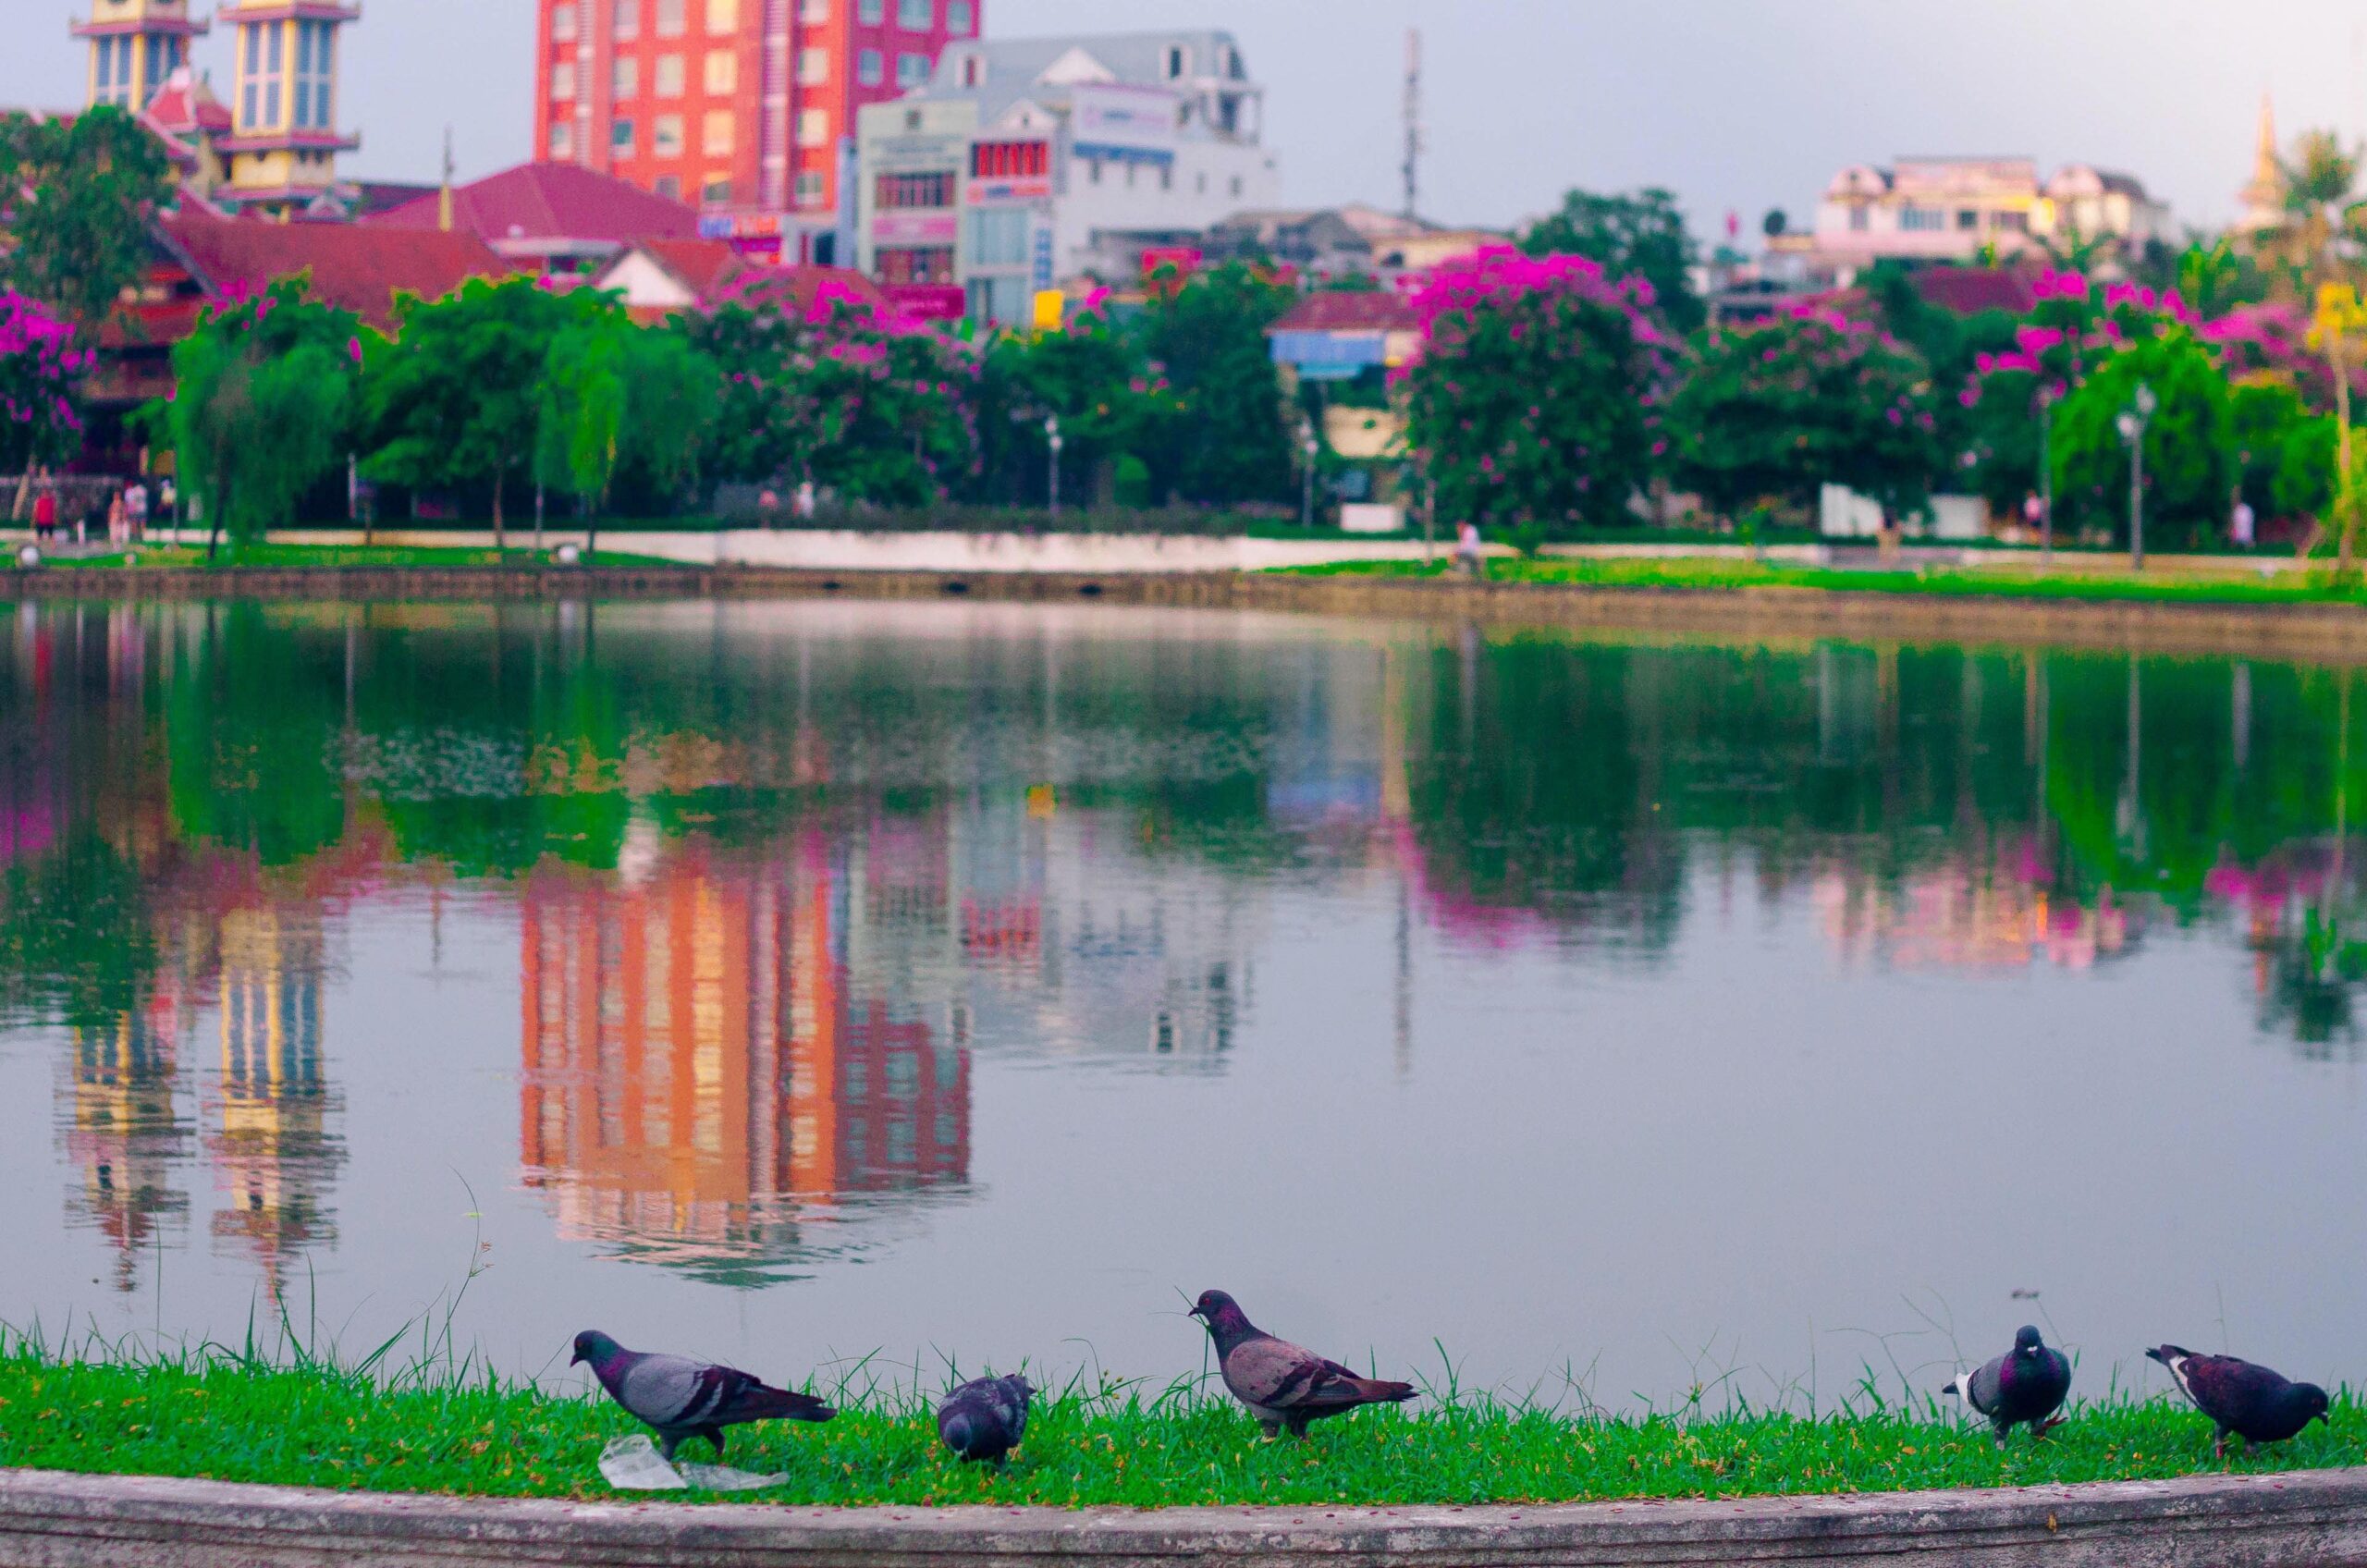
<point>2324,631</point>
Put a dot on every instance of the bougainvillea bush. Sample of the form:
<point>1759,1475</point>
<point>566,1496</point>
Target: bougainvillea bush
<point>836,392</point>
<point>39,366</point>
<point>1773,411</point>
<point>1538,392</point>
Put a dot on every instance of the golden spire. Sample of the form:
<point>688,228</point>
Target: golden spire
<point>2264,194</point>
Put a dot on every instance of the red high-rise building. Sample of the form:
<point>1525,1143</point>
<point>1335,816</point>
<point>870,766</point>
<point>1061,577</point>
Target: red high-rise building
<point>744,108</point>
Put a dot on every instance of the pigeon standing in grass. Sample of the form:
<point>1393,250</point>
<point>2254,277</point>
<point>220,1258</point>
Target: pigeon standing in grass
<point>1283,1386</point>
<point>984,1418</point>
<point>2255,1404</point>
<point>685,1399</point>
<point>2025,1385</point>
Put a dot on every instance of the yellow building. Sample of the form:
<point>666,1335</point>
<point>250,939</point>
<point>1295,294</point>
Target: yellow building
<point>283,144</point>
<point>135,46</point>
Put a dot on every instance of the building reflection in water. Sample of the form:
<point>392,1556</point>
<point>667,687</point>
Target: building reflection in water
<point>273,1153</point>
<point>127,1135</point>
<point>701,1085</point>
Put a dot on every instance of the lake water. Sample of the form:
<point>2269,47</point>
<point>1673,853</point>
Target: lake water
<point>789,982</point>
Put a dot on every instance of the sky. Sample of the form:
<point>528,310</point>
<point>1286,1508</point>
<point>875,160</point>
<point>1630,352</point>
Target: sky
<point>1736,105</point>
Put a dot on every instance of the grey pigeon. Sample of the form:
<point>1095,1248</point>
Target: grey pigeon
<point>2024,1386</point>
<point>2242,1397</point>
<point>984,1418</point>
<point>1283,1386</point>
<point>685,1399</point>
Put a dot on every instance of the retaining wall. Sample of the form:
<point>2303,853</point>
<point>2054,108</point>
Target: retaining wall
<point>2314,1518</point>
<point>2330,632</point>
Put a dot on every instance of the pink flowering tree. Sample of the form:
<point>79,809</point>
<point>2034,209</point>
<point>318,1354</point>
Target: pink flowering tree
<point>834,391</point>
<point>1536,400</point>
<point>1774,410</point>
<point>39,367</point>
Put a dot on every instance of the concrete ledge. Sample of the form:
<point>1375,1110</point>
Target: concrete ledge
<point>2317,1518</point>
<point>2264,630</point>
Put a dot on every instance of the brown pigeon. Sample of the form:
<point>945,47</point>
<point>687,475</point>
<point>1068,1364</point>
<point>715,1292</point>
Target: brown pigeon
<point>2258,1405</point>
<point>1283,1386</point>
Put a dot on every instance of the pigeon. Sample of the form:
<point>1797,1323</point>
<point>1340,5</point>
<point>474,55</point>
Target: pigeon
<point>2255,1404</point>
<point>1283,1386</point>
<point>685,1399</point>
<point>2025,1385</point>
<point>984,1417</point>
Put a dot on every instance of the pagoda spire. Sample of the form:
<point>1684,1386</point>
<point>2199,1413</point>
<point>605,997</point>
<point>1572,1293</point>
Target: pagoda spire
<point>2264,195</point>
<point>136,45</point>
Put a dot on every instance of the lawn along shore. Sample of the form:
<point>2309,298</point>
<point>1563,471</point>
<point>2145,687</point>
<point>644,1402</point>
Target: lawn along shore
<point>1122,1446</point>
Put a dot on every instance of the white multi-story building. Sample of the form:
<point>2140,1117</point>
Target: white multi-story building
<point>999,176</point>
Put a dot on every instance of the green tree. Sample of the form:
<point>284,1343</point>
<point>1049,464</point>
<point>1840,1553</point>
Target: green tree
<point>261,408</point>
<point>2189,464</point>
<point>1535,402</point>
<point>1090,375</point>
<point>456,401</point>
<point>1639,235</point>
<point>1775,410</point>
<point>80,193</point>
<point>1227,441</point>
<point>2320,181</point>
<point>2285,451</point>
<point>622,404</point>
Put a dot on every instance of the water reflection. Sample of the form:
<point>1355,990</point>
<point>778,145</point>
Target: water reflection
<point>784,882</point>
<point>701,1083</point>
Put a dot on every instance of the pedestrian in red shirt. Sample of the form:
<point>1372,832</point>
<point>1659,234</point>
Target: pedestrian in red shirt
<point>46,514</point>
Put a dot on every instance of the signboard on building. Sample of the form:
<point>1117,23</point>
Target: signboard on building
<point>914,228</point>
<point>740,226</point>
<point>980,191</point>
<point>927,301</point>
<point>1040,258</point>
<point>1128,124</point>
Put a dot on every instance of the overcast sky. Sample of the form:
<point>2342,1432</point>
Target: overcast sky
<point>1735,104</point>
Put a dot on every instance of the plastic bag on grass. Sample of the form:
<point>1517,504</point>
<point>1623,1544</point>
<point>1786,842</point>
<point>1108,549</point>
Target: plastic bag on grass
<point>632,1465</point>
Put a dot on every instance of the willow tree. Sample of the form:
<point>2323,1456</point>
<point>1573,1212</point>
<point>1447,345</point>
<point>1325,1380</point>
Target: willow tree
<point>263,392</point>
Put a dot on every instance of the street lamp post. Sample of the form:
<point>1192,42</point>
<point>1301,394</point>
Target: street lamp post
<point>2045,474</point>
<point>2132,423</point>
<point>1052,439</point>
<point>1308,445</point>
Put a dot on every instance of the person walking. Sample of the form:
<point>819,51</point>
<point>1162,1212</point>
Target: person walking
<point>119,520</point>
<point>135,512</point>
<point>1468,561</point>
<point>45,511</point>
<point>2240,522</point>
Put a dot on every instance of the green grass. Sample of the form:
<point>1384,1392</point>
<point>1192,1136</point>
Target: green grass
<point>2017,580</point>
<point>314,556</point>
<point>1124,1445</point>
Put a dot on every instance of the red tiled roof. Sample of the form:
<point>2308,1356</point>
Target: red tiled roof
<point>551,202</point>
<point>184,104</point>
<point>354,268</point>
<point>703,267</point>
<point>1340,309</point>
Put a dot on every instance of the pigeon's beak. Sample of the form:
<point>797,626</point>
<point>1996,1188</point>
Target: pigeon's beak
<point>576,1360</point>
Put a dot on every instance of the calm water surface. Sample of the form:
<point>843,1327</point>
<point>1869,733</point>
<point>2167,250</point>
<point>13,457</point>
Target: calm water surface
<point>789,982</point>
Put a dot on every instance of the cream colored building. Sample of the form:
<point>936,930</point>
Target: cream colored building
<point>1968,209</point>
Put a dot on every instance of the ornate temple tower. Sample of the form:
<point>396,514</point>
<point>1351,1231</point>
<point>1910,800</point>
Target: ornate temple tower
<point>284,141</point>
<point>135,46</point>
<point>2264,195</point>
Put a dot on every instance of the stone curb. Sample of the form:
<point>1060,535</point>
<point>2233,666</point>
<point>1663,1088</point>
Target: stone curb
<point>2265,630</point>
<point>2318,1518</point>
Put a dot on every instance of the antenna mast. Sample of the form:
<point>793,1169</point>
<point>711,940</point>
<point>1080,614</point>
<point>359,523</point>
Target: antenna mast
<point>1413,118</point>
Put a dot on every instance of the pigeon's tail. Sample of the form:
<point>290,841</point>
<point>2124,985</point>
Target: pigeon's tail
<point>1375,1390</point>
<point>761,1402</point>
